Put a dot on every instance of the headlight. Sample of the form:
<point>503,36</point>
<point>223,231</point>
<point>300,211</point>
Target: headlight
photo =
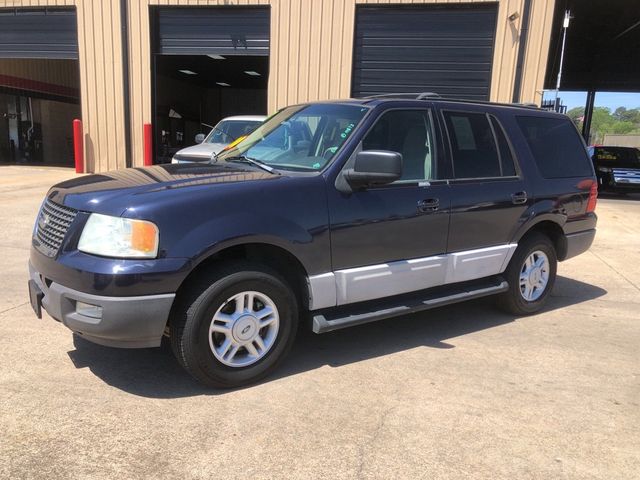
<point>604,169</point>
<point>119,237</point>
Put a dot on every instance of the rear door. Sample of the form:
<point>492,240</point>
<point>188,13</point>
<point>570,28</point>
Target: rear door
<point>489,195</point>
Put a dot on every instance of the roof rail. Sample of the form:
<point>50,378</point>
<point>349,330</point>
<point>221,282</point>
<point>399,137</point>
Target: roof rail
<point>528,104</point>
<point>436,96</point>
<point>413,96</point>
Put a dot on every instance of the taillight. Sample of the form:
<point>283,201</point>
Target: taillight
<point>593,197</point>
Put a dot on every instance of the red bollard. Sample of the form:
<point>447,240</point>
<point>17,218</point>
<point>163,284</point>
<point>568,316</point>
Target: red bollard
<point>78,148</point>
<point>148,145</point>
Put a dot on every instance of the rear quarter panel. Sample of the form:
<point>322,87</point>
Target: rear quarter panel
<point>560,200</point>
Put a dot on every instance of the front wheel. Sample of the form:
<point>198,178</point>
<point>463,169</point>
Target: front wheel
<point>531,275</point>
<point>234,326</point>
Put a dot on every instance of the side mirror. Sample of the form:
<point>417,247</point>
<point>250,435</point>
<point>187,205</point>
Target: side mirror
<point>200,138</point>
<point>374,167</point>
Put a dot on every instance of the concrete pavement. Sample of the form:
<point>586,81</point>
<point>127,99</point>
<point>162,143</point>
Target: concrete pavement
<point>459,392</point>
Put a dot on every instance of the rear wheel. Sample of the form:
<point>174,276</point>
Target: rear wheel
<point>234,326</point>
<point>531,275</point>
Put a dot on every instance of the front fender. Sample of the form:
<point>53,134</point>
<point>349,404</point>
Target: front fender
<point>242,228</point>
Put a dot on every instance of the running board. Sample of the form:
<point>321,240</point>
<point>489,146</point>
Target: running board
<point>325,322</point>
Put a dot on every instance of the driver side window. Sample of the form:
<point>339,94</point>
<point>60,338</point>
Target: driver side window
<point>409,133</point>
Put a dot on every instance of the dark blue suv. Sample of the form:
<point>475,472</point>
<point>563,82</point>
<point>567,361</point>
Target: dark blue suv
<point>340,212</point>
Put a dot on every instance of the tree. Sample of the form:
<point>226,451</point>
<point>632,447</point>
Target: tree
<point>576,114</point>
<point>620,121</point>
<point>619,112</point>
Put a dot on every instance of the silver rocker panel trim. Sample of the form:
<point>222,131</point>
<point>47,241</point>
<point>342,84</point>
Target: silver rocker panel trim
<point>387,279</point>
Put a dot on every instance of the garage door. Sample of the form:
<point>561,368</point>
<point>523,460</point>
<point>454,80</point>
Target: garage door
<point>442,49</point>
<point>38,33</point>
<point>213,31</point>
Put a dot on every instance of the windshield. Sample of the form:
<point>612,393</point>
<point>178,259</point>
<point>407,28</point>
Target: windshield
<point>228,130</point>
<point>617,154</point>
<point>302,138</point>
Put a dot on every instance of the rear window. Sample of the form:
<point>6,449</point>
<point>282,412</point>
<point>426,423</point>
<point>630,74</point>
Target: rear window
<point>556,147</point>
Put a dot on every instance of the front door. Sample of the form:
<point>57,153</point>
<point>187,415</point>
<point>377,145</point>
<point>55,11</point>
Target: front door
<point>391,239</point>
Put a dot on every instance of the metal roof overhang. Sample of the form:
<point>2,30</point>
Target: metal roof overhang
<point>602,51</point>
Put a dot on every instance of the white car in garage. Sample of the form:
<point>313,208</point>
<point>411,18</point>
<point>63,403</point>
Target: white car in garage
<point>226,131</point>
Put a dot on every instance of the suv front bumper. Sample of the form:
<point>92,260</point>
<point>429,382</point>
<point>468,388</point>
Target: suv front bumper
<point>126,322</point>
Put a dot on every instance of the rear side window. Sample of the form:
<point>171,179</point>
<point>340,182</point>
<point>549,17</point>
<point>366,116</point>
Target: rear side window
<point>473,146</point>
<point>556,147</point>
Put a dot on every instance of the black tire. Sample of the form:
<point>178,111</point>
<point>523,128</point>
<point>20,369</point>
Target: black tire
<point>512,301</point>
<point>194,310</point>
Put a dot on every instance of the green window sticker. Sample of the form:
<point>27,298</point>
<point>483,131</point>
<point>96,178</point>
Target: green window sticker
<point>347,130</point>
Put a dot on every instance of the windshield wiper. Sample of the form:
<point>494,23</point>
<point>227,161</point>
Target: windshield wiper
<point>252,161</point>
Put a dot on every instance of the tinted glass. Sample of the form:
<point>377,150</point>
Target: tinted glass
<point>506,157</point>
<point>556,147</point>
<point>617,154</point>
<point>473,145</point>
<point>407,132</point>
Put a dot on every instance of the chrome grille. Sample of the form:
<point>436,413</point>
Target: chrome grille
<point>52,225</point>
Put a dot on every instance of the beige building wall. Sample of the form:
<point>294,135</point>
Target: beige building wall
<point>310,59</point>
<point>101,85</point>
<point>620,140</point>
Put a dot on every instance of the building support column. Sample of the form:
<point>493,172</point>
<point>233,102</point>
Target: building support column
<point>588,115</point>
<point>522,48</point>
<point>124,31</point>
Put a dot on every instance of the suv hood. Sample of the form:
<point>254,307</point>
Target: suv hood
<point>200,152</point>
<point>114,192</point>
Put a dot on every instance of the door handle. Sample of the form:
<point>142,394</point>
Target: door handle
<point>428,205</point>
<point>519,198</point>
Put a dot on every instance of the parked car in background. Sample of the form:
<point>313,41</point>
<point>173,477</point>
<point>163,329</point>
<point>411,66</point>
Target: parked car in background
<point>617,168</point>
<point>225,132</point>
<point>331,213</point>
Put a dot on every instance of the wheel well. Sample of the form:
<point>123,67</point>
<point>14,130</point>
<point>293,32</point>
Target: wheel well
<point>276,258</point>
<point>555,233</point>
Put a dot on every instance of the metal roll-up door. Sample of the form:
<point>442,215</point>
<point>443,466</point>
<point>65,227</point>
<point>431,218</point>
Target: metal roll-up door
<point>38,33</point>
<point>442,49</point>
<point>213,31</point>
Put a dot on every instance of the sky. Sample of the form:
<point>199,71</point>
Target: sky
<point>611,100</point>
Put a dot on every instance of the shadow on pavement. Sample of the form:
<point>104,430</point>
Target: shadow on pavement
<point>619,196</point>
<point>155,373</point>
